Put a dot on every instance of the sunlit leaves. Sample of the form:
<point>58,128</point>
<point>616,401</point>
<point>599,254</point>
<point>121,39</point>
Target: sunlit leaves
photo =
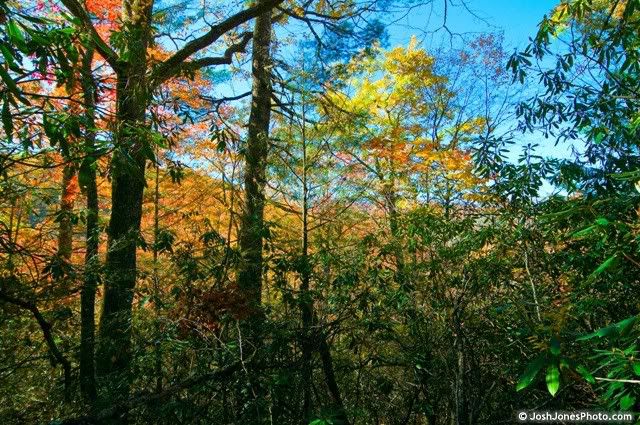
<point>553,379</point>
<point>615,330</point>
<point>530,372</point>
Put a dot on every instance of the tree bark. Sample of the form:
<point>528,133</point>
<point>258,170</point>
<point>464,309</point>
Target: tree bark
<point>91,261</point>
<point>461,399</point>
<point>252,221</point>
<point>65,229</point>
<point>252,228</point>
<point>113,357</point>
<point>306,299</point>
<point>332,384</point>
<point>391,198</point>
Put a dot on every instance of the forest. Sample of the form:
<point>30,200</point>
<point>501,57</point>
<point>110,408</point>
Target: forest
<point>318,212</point>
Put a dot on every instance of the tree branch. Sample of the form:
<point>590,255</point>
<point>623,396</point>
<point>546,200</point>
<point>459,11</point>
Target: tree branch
<point>225,59</point>
<point>102,47</point>
<point>172,65</point>
<point>122,408</point>
<point>48,336</point>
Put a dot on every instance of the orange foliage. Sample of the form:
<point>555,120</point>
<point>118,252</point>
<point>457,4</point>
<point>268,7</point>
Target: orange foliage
<point>108,14</point>
<point>71,191</point>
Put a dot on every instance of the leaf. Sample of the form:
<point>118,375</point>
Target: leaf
<point>50,130</point>
<point>530,372</point>
<point>604,266</point>
<point>9,81</point>
<point>624,327</point>
<point>620,328</point>
<point>144,300</point>
<point>586,374</point>
<point>627,402</point>
<point>555,346</point>
<point>584,232</point>
<point>15,34</point>
<point>321,422</point>
<point>553,379</point>
<point>9,58</point>
<point>7,121</point>
<point>627,176</point>
<point>636,368</point>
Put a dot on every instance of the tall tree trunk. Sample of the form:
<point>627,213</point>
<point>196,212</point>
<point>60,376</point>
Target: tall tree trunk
<point>157,348</point>
<point>67,197</point>
<point>128,165</point>
<point>306,300</point>
<point>113,357</point>
<point>252,220</point>
<point>332,384</point>
<point>461,399</point>
<point>91,261</point>
<point>390,198</point>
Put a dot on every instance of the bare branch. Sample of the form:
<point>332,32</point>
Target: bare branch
<point>172,65</point>
<point>225,59</point>
<point>120,409</point>
<point>48,336</point>
<point>102,47</point>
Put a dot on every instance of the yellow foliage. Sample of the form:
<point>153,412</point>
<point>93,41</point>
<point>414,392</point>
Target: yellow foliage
<point>393,91</point>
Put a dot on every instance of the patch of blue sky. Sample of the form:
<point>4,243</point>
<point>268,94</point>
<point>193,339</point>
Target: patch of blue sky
<point>437,28</point>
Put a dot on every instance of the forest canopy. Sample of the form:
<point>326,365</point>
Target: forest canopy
<point>318,212</point>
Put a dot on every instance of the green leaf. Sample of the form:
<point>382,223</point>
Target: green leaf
<point>627,176</point>
<point>636,368</point>
<point>625,326</point>
<point>605,265</point>
<point>321,422</point>
<point>620,328</point>
<point>7,121</point>
<point>555,346</point>
<point>586,374</point>
<point>144,300</point>
<point>553,379</point>
<point>627,402</point>
<point>13,88</point>
<point>584,232</point>
<point>50,130</point>
<point>530,372</point>
<point>15,34</point>
<point>9,58</point>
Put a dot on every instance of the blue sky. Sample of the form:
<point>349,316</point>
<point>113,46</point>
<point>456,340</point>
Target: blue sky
<point>518,19</point>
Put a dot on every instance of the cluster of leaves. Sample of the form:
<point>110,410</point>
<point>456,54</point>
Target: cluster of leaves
<point>590,98</point>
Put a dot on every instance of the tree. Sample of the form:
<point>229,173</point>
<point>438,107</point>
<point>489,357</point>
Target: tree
<point>132,150</point>
<point>590,99</point>
<point>252,229</point>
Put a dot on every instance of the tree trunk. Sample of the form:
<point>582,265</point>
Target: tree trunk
<point>306,300</point>
<point>65,230</point>
<point>128,165</point>
<point>461,402</point>
<point>157,347</point>
<point>252,220</point>
<point>332,384</point>
<point>113,357</point>
<point>390,198</point>
<point>91,261</point>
